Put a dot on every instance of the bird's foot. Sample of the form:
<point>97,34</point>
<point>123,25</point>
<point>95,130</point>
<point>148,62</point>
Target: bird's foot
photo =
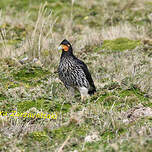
<point>84,98</point>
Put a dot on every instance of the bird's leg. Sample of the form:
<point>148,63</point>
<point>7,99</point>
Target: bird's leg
<point>83,98</point>
<point>84,93</point>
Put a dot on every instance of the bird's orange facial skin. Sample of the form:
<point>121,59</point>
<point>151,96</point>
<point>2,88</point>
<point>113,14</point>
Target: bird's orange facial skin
<point>65,48</point>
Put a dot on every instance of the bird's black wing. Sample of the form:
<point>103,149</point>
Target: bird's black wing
<point>88,76</point>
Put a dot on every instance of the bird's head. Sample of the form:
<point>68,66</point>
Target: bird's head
<point>65,46</point>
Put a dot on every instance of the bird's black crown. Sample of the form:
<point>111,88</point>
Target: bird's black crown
<point>65,42</point>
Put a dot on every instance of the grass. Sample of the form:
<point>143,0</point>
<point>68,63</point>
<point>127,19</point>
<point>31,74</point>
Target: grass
<point>120,44</point>
<point>28,75</point>
<point>113,38</point>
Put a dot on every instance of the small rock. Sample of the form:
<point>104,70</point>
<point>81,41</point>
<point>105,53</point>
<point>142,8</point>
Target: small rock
<point>37,62</point>
<point>24,60</point>
<point>91,138</point>
<point>137,112</point>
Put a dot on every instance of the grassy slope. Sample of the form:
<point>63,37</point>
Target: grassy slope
<point>120,67</point>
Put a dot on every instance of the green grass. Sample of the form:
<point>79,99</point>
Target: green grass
<point>111,97</point>
<point>26,105</point>
<point>30,75</point>
<point>120,44</point>
<point>39,136</point>
<point>2,97</point>
<point>42,104</point>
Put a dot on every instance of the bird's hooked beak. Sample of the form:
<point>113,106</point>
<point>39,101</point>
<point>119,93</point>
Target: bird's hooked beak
<point>60,47</point>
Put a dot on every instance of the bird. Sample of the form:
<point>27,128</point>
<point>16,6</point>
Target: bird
<point>74,73</point>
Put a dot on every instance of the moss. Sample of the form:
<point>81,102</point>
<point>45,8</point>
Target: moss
<point>26,105</point>
<point>2,97</point>
<point>19,5</point>
<point>46,105</point>
<point>30,74</point>
<point>58,106</point>
<point>108,101</point>
<point>106,137</point>
<point>4,3</point>
<point>92,146</point>
<point>39,136</point>
<point>103,96</point>
<point>107,134</point>
<point>63,132</point>
<point>26,73</point>
<point>131,92</point>
<point>120,44</point>
<point>132,96</point>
